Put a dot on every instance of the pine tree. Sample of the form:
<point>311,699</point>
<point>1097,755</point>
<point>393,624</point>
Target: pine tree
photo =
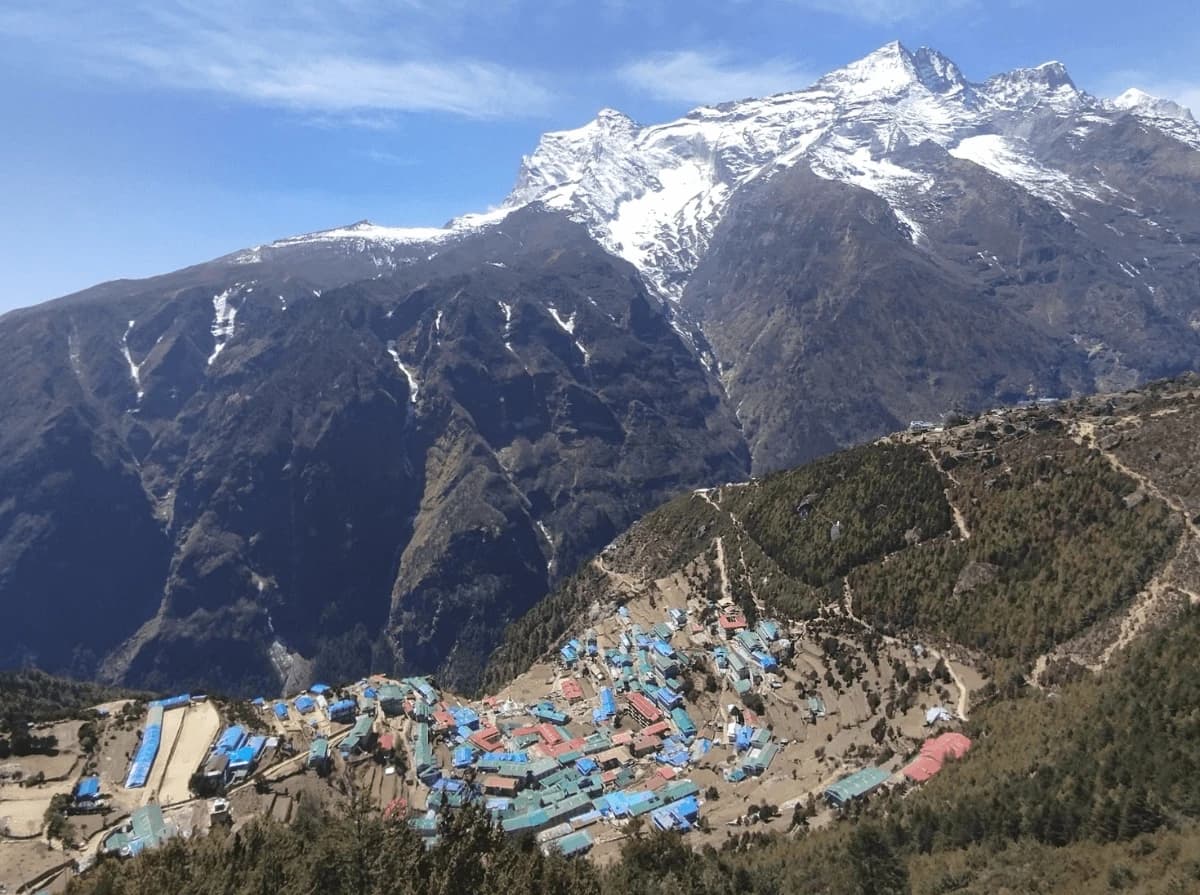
<point>877,869</point>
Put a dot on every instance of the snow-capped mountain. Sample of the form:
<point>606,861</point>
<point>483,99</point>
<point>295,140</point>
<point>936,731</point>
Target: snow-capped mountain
<point>373,442</point>
<point>1166,115</point>
<point>655,194</point>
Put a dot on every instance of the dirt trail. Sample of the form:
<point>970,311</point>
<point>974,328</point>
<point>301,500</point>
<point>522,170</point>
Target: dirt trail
<point>847,608</point>
<point>1086,430</point>
<point>960,521</point>
<point>726,590</point>
<point>1152,604</point>
<point>1145,609</point>
<point>630,582</point>
<point>706,495</point>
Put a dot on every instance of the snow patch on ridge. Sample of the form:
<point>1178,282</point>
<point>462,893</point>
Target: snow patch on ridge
<point>508,313</point>
<point>1007,158</point>
<point>568,325</point>
<point>135,370</point>
<point>892,183</point>
<point>413,385</point>
<point>541,527</point>
<point>224,314</point>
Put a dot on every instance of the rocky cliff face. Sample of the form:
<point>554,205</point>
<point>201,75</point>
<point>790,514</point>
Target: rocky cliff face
<point>374,446</point>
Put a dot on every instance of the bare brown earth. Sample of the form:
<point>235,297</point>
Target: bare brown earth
<point>814,753</point>
<point>200,727</point>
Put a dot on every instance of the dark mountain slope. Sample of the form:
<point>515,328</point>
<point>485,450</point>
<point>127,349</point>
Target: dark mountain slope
<point>831,324</point>
<point>371,445</point>
<point>418,455</point>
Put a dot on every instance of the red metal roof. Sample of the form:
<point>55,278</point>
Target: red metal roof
<point>396,808</point>
<point>387,742</point>
<point>933,755</point>
<point>622,738</point>
<point>733,621</point>
<point>571,689</point>
<point>655,729</point>
<point>486,738</point>
<point>496,783</point>
<point>563,748</point>
<point>645,744</point>
<point>548,733</point>
<point>644,707</point>
<point>946,745</point>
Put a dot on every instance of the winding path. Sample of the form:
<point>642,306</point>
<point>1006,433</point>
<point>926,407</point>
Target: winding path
<point>847,608</point>
<point>1147,607</point>
<point>960,521</point>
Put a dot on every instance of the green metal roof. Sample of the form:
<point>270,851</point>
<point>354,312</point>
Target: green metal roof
<point>678,789</point>
<point>857,784</point>
<point>573,843</point>
<point>569,807</point>
<point>530,820</point>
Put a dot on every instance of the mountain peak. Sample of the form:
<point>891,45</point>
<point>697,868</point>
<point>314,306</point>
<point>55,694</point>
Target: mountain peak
<point>893,68</point>
<point>888,70</point>
<point>1054,74</point>
<point>613,116</point>
<point>1048,85</point>
<point>1136,100</point>
<point>938,72</point>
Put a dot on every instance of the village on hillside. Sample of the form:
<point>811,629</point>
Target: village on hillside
<point>666,709</point>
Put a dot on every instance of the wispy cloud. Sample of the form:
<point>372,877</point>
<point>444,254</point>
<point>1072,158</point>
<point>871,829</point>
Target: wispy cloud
<point>884,12</point>
<point>335,58</point>
<point>383,157</point>
<point>709,76</point>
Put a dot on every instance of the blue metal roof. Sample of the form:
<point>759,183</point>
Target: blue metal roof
<point>230,739</point>
<point>87,788</point>
<point>143,761</point>
<point>343,707</point>
<point>242,757</point>
<point>463,756</point>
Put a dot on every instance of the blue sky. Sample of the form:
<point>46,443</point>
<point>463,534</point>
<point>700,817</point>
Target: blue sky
<point>144,136</point>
